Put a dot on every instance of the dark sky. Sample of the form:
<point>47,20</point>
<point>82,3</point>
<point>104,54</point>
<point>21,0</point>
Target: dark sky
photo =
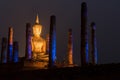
<point>105,13</point>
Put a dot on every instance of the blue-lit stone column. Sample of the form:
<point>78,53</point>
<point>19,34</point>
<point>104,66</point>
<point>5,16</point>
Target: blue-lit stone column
<point>28,53</point>
<point>84,35</point>
<point>4,50</point>
<point>52,41</point>
<point>15,52</point>
<point>10,45</point>
<point>93,49</point>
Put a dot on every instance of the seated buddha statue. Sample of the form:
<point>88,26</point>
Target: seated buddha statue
<point>38,43</point>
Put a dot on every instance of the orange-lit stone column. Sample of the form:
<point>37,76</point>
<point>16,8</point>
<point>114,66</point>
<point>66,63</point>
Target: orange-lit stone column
<point>70,47</point>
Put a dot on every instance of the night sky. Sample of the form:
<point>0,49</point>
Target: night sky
<point>105,13</point>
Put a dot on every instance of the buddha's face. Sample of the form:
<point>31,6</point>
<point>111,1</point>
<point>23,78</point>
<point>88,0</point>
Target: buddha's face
<point>37,31</point>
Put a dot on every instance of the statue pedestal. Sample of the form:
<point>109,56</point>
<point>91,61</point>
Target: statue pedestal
<point>36,64</point>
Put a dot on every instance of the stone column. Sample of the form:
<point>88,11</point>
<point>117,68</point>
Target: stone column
<point>70,47</point>
<point>10,45</point>
<point>93,50</point>
<point>4,50</point>
<point>52,41</point>
<point>84,35</point>
<point>28,53</point>
<point>15,52</point>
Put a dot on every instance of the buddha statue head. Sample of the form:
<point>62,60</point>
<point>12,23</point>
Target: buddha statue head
<point>37,28</point>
